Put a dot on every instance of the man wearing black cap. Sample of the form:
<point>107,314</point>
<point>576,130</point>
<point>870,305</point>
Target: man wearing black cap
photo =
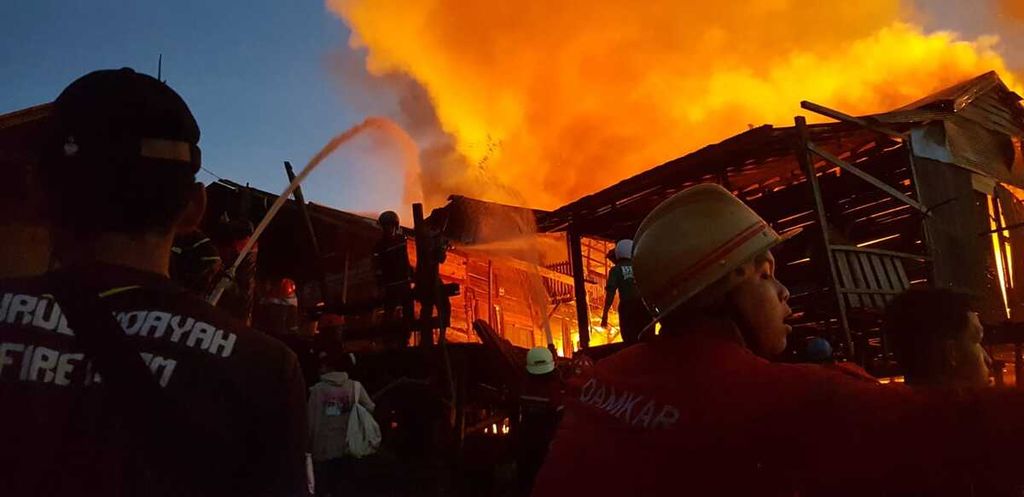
<point>114,380</point>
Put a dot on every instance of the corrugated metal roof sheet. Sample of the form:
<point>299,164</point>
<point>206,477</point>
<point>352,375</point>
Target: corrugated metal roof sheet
<point>984,99</point>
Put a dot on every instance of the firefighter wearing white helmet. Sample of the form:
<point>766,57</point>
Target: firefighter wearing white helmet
<point>700,410</point>
<point>704,252</point>
<point>633,316</point>
<point>538,416</point>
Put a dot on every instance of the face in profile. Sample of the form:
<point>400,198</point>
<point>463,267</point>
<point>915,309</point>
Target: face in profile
<point>968,361</point>
<point>761,303</point>
<point>937,337</point>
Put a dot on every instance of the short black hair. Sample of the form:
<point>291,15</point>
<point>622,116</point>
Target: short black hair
<point>122,154</point>
<point>918,322</point>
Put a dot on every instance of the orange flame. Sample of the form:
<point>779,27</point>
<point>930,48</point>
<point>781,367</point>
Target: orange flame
<point>559,99</point>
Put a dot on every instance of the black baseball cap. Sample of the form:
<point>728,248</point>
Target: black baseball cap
<point>122,154</point>
<point>121,118</point>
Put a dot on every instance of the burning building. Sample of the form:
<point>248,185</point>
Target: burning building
<point>928,193</point>
<point>510,276</point>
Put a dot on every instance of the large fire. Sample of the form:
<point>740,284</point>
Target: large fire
<point>549,101</point>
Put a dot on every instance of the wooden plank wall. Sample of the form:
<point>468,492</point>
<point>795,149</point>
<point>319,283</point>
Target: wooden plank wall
<point>962,259</point>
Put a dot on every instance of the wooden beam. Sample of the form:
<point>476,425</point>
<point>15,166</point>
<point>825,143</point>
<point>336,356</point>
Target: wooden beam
<point>803,157</point>
<point>890,253</point>
<point>864,175</point>
<point>579,285</point>
<point>533,268</point>
<point>318,260</point>
<point>864,123</point>
<point>1002,229</point>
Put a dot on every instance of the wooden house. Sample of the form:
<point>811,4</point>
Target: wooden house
<point>925,194</point>
<point>515,279</point>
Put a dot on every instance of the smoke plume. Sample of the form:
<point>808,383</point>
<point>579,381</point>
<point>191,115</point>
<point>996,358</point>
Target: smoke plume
<point>537,102</point>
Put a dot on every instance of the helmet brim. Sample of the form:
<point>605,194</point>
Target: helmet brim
<point>540,368</point>
<point>785,236</point>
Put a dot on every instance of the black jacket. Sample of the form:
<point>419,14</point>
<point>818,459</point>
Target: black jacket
<point>241,393</point>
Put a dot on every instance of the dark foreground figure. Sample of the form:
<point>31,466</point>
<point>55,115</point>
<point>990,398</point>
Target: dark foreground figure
<point>183,401</point>
<point>700,410</point>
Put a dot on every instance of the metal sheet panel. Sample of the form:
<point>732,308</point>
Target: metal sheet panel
<point>957,251</point>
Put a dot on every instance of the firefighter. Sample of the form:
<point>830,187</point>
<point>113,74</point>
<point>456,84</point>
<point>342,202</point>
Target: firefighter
<point>430,291</point>
<point>701,409</point>
<point>114,380</point>
<point>391,265</point>
<point>540,409</point>
<point>231,236</point>
<point>278,310</point>
<point>633,316</point>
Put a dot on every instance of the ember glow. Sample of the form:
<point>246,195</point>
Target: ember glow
<point>558,99</point>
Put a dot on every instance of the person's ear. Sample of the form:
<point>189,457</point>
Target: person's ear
<point>195,207</point>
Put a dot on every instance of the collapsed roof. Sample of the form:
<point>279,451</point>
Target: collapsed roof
<point>977,124</point>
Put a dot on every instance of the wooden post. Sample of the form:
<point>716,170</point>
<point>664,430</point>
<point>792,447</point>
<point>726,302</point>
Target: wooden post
<point>579,285</point>
<point>490,294</point>
<point>422,239</point>
<point>314,244</point>
<point>566,338</point>
<point>926,234</point>
<point>344,280</point>
<point>1018,365</point>
<point>807,165</point>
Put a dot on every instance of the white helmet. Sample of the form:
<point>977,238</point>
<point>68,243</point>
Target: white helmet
<point>693,239</point>
<point>624,249</point>
<point>539,360</point>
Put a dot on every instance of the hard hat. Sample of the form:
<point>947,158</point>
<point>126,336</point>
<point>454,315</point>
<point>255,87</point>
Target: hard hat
<point>287,287</point>
<point>540,361</point>
<point>624,249</point>
<point>388,218</point>
<point>819,350</point>
<point>693,239</point>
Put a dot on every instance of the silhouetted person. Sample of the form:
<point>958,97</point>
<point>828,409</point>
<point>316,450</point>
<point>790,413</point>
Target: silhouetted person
<point>391,266</point>
<point>633,315</point>
<point>430,291</point>
<point>330,405</point>
<point>125,384</point>
<point>702,410</point>
<point>937,338</point>
<point>540,407</point>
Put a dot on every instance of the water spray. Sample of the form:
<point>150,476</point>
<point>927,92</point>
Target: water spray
<point>337,141</point>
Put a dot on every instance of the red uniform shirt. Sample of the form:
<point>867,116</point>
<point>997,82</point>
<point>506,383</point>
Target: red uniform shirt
<point>699,414</point>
